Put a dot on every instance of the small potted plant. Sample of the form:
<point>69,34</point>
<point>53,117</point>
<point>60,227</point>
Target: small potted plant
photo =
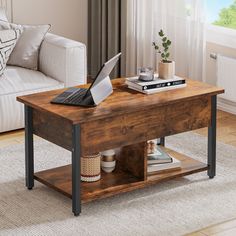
<point>166,67</point>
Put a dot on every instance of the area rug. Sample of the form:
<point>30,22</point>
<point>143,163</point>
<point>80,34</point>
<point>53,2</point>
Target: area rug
<point>172,208</point>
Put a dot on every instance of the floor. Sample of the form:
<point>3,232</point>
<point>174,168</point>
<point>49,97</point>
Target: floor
<point>226,128</point>
<point>227,228</point>
<point>10,138</point>
<point>226,132</point>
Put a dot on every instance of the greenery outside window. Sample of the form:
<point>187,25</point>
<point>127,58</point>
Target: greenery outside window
<point>222,13</point>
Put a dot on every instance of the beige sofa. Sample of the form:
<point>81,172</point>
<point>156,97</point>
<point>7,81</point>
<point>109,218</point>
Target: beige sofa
<point>62,63</point>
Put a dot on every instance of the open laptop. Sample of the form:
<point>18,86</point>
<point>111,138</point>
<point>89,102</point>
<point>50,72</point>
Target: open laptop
<point>98,91</point>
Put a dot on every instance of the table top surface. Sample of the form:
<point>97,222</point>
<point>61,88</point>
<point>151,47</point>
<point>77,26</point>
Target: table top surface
<point>122,101</point>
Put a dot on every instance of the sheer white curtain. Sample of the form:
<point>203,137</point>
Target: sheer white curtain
<point>183,22</point>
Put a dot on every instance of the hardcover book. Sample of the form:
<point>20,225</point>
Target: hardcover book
<point>157,90</point>
<point>157,83</point>
<point>174,165</point>
<point>159,156</point>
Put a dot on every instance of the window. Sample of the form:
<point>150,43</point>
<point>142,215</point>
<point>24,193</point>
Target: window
<point>222,13</point>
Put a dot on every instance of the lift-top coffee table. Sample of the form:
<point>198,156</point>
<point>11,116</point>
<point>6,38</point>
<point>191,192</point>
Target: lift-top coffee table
<point>126,119</point>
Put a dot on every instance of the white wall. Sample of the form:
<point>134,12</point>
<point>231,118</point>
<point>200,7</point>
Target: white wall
<point>222,41</point>
<point>219,40</point>
<point>67,17</point>
<point>211,69</point>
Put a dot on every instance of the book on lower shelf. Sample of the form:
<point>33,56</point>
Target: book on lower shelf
<point>155,86</point>
<point>174,165</point>
<point>158,156</point>
<point>159,160</point>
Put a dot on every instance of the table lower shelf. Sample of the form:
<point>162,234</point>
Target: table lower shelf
<point>114,183</point>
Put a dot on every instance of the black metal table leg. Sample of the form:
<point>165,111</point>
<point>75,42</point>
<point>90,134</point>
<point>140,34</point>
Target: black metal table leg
<point>212,140</point>
<point>76,178</point>
<point>162,141</point>
<point>29,148</point>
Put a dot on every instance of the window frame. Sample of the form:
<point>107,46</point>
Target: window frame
<point>221,35</point>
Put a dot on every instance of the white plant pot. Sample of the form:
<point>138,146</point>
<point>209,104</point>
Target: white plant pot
<point>166,70</point>
<point>108,166</point>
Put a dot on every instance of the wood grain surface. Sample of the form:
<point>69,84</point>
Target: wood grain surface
<point>122,101</point>
<point>53,128</point>
<point>146,124</point>
<point>114,183</point>
<point>133,158</point>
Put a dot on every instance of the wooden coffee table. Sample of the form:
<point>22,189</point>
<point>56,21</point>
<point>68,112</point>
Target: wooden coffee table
<point>127,119</point>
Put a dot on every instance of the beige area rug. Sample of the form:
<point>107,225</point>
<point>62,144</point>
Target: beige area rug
<point>173,208</point>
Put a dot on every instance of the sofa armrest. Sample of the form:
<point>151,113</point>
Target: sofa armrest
<point>64,60</point>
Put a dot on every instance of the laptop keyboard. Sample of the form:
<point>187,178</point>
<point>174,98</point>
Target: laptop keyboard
<point>76,97</point>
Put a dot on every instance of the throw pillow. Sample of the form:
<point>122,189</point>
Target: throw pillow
<point>3,15</point>
<point>26,52</point>
<point>8,39</point>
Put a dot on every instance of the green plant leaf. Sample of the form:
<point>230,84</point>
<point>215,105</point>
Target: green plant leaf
<point>167,54</point>
<point>161,33</point>
<point>164,39</point>
<point>163,55</point>
<point>168,42</point>
<point>156,47</point>
<point>166,49</point>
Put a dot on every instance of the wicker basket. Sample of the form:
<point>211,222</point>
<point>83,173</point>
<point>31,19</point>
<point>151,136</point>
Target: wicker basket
<point>91,168</point>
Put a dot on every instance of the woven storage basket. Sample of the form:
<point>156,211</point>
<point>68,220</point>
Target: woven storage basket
<point>91,168</point>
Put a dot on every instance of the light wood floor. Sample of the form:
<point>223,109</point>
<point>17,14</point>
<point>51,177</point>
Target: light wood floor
<point>227,228</point>
<point>226,132</point>
<point>226,128</point>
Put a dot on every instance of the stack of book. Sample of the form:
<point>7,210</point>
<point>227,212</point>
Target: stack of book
<point>161,161</point>
<point>155,86</point>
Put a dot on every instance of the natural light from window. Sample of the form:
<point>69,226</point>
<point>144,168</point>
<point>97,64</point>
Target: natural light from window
<point>222,13</point>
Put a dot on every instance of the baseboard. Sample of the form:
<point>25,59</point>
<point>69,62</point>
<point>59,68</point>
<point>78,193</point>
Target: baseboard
<point>225,105</point>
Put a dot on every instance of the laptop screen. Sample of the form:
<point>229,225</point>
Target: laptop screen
<point>105,70</point>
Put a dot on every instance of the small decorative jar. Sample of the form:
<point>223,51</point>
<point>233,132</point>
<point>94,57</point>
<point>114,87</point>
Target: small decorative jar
<point>91,168</point>
<point>108,163</point>
<point>146,74</point>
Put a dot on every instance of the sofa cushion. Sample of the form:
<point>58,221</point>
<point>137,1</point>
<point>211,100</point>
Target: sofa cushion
<point>26,52</point>
<point>8,39</point>
<point>16,80</point>
<point>64,60</point>
<point>3,15</point>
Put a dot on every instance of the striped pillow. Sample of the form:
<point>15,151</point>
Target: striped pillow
<point>8,39</point>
